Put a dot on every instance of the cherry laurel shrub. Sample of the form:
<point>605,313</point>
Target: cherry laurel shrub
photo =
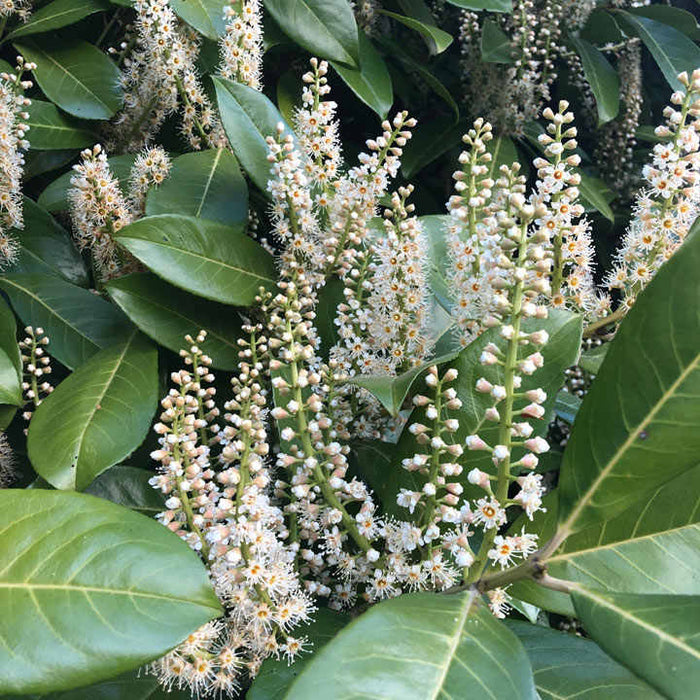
<point>278,424</point>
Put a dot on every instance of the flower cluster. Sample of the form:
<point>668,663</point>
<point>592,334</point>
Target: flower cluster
<point>36,366</point>
<point>241,47</point>
<point>99,208</point>
<point>13,114</point>
<point>22,8</point>
<point>222,508</point>
<point>160,78</point>
<point>670,201</point>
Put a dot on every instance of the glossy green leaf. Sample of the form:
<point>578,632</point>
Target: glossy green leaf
<point>42,162</point>
<point>637,427</point>
<point>439,39</point>
<point>495,44</point>
<point>567,666</point>
<point>76,76</point>
<point>47,247</point>
<point>57,14</point>
<point>7,413</point>
<point>90,589</point>
<point>592,359</point>
<point>566,406</point>
<point>53,130</point>
<point>214,261</point>
<point>329,296</point>
<point>601,28</point>
<point>371,82</point>
<point>8,337</point>
<point>595,194</point>
<point>602,79</point>
<point>128,487</point>
<point>10,389</point>
<point>104,409</point>
<point>675,17</point>
<point>326,28</point>
<point>276,675</point>
<point>673,52</point>
<point>420,646</point>
<point>167,314</point>
<point>430,140</point>
<point>391,391</point>
<point>490,5</point>
<point>206,16</point>
<point>203,184</point>
<point>77,321</point>
<point>55,197</point>
<point>248,118</point>
<point>656,636</point>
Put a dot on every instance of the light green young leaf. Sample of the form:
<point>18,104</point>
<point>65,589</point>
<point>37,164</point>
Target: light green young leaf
<point>208,259</point>
<point>439,40</point>
<point>204,184</point>
<point>592,359</point>
<point>495,44</point>
<point>673,52</point>
<point>656,636</point>
<point>602,79</point>
<point>420,645</point>
<point>249,118</point>
<point>90,589</point>
<point>10,389</point>
<point>77,322</point>
<point>8,337</point>
<point>637,427</point>
<point>47,247</point>
<point>167,314</point>
<point>371,82</point>
<point>76,76</point>
<point>104,410</point>
<point>568,666</point>
<point>53,130</point>
<point>57,14</point>
<point>595,194</point>
<point>325,28</point>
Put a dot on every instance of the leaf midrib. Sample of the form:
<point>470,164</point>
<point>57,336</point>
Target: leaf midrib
<point>207,185</point>
<point>583,501</point>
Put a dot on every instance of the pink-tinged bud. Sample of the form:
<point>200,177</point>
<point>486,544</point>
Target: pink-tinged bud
<point>478,478</point>
<point>451,499</point>
<point>500,452</point>
<point>278,413</point>
<point>483,385</point>
<point>522,430</point>
<point>537,445</point>
<point>492,414</point>
<point>537,359</point>
<point>539,337</point>
<point>420,400</point>
<point>533,410</point>
<point>536,395</point>
<point>527,367</point>
<point>499,392</point>
<point>488,358</point>
<point>450,375</point>
<point>455,488</point>
<point>474,442</point>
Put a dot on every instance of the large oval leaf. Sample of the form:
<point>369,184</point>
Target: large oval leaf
<point>89,590</point>
<point>248,118</point>
<point>602,79</point>
<point>436,39</point>
<point>206,16</point>
<point>326,28</point>
<point>77,321</point>
<point>128,487</point>
<point>568,666</point>
<point>420,646</point>
<point>47,247</point>
<point>673,51</point>
<point>52,130</point>
<point>371,82</point>
<point>204,184</point>
<point>76,76</point>
<point>654,635</point>
<point>167,314</point>
<point>214,261</point>
<point>104,410</point>
<point>10,388</point>
<point>57,14</point>
<point>637,427</point>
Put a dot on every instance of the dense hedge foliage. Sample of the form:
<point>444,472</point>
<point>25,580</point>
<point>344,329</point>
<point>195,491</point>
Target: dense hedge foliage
<point>349,349</point>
